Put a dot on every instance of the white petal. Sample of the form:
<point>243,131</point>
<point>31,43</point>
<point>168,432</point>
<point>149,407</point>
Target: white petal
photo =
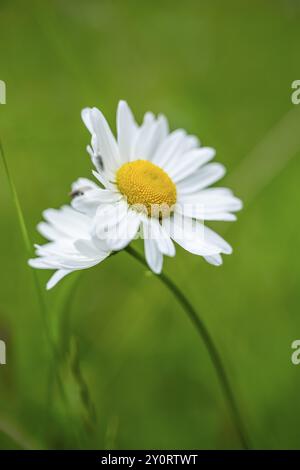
<point>212,238</point>
<point>91,249</point>
<point>56,249</point>
<point>39,263</point>
<point>105,171</point>
<point>148,137</point>
<point>104,142</point>
<point>103,180</point>
<point>89,202</point>
<point>221,216</point>
<point>125,231</point>
<point>127,129</point>
<point>202,178</point>
<point>207,235</point>
<point>212,200</point>
<point>168,148</point>
<point>86,117</point>
<point>48,231</point>
<point>83,184</point>
<point>189,162</point>
<point>86,248</point>
<point>95,149</point>
<point>215,260</point>
<point>206,212</point>
<point>206,195</point>
<point>67,220</point>
<point>163,127</point>
<point>57,276</point>
<point>107,219</point>
<point>153,256</point>
<point>169,153</point>
<point>157,232</point>
<point>107,140</point>
<point>186,233</point>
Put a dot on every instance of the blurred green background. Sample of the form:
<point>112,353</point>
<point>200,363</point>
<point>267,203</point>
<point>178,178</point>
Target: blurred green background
<point>222,70</point>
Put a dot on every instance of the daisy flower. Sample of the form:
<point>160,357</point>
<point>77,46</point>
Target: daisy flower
<point>153,183</point>
<point>71,245</point>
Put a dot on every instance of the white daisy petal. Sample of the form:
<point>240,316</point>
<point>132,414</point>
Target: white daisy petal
<point>205,212</point>
<point>86,117</point>
<point>148,137</point>
<point>103,180</point>
<point>153,256</point>
<point>215,260</point>
<point>94,148</point>
<point>211,237</point>
<point>176,148</point>
<point>206,234</point>
<point>106,173</point>
<point>83,184</point>
<point>104,145</point>
<point>107,219</point>
<point>125,232</point>
<point>89,202</point>
<point>107,144</point>
<point>59,247</point>
<point>85,248</point>
<point>39,263</point>
<point>212,200</point>
<point>189,162</point>
<point>48,231</point>
<point>202,178</point>
<point>161,237</point>
<point>221,216</point>
<point>57,276</point>
<point>127,129</point>
<point>168,148</point>
<point>67,221</point>
<point>206,195</point>
<point>163,128</point>
<point>186,233</point>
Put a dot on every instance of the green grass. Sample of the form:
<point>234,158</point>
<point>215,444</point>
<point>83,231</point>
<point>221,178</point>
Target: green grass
<point>222,70</point>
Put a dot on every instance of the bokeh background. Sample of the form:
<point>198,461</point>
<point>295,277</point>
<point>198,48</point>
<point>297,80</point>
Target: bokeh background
<point>222,70</point>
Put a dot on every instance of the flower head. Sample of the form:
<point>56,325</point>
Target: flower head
<point>151,183</point>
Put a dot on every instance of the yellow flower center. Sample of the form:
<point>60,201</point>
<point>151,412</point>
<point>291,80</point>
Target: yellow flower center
<point>147,187</point>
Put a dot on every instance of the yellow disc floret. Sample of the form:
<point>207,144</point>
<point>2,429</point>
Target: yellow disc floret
<point>147,186</point>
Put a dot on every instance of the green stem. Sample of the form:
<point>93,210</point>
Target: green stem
<point>210,345</point>
<point>28,246</point>
<point>55,354</point>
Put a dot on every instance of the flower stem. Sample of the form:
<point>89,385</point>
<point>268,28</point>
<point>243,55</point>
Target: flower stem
<point>55,354</point>
<point>210,345</point>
